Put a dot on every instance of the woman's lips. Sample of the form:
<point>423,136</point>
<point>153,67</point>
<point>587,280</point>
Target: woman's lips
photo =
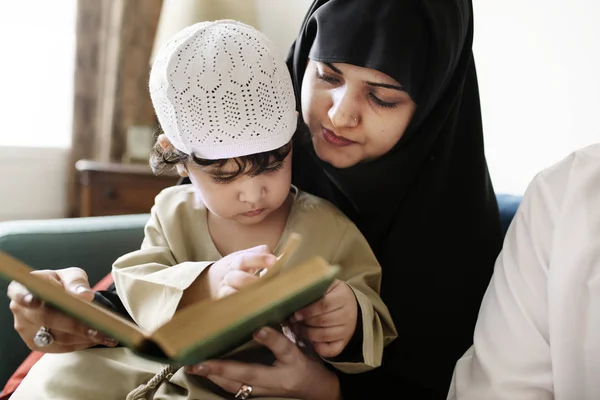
<point>335,140</point>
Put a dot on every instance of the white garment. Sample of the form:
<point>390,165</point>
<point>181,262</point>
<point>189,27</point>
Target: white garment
<point>538,332</point>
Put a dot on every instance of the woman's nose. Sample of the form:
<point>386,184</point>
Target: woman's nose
<point>344,111</point>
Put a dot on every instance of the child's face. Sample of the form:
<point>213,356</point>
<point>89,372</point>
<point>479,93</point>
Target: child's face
<point>245,199</point>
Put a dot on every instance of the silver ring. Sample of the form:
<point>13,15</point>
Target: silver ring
<point>244,392</point>
<point>43,337</point>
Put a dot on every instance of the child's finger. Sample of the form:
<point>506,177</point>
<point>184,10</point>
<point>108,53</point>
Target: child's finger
<point>333,286</point>
<point>333,318</point>
<point>329,349</point>
<point>238,279</point>
<point>226,291</point>
<point>318,308</point>
<point>324,335</point>
<point>250,262</point>
<point>263,248</point>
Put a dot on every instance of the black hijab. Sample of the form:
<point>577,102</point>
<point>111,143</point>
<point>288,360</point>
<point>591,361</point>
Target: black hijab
<point>427,207</point>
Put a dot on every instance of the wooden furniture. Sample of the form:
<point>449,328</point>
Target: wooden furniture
<point>117,189</point>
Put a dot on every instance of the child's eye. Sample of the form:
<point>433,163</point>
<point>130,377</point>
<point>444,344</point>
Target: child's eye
<point>270,170</point>
<point>327,78</point>
<point>275,168</point>
<point>221,180</point>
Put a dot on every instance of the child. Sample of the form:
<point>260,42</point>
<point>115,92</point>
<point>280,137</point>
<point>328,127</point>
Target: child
<point>226,105</point>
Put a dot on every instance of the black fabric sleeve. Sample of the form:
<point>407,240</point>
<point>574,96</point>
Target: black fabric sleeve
<point>110,299</point>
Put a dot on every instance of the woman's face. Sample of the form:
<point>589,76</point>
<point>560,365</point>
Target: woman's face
<point>354,114</point>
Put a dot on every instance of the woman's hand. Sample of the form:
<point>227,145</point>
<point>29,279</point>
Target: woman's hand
<point>329,323</point>
<point>30,314</point>
<point>236,270</point>
<point>293,375</point>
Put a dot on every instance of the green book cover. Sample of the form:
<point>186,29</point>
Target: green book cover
<point>205,330</point>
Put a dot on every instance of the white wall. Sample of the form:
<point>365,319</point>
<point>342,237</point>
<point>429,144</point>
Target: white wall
<point>36,102</point>
<point>280,20</point>
<point>33,182</point>
<point>538,63</point>
<point>539,70</point>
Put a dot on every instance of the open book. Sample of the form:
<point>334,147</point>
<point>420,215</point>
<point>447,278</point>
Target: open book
<point>208,329</point>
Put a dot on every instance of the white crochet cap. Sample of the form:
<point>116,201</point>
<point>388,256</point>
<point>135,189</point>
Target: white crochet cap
<point>221,90</point>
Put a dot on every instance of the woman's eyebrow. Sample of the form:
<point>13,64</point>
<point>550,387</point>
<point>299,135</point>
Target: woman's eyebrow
<point>386,85</point>
<point>374,84</point>
<point>333,68</point>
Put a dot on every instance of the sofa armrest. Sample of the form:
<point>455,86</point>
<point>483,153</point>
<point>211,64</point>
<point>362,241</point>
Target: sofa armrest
<point>92,244</point>
<point>508,204</point>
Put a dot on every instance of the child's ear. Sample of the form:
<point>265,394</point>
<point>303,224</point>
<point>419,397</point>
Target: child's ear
<point>164,141</point>
<point>182,170</point>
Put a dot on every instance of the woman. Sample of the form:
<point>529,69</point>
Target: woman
<point>388,91</point>
<point>538,330</point>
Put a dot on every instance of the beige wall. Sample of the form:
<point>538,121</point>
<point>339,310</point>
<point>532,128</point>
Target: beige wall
<point>33,182</point>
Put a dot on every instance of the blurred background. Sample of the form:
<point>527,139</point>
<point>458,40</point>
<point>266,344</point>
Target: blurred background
<point>77,122</point>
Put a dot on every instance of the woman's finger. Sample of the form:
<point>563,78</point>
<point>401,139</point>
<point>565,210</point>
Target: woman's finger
<point>284,350</point>
<point>230,385</point>
<point>57,321</point>
<point>58,349</point>
<point>21,296</point>
<point>75,280</point>
<point>28,321</point>
<point>233,386</point>
<point>62,340</point>
<point>231,374</point>
<point>65,339</point>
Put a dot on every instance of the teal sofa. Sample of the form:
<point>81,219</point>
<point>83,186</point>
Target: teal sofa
<point>93,244</point>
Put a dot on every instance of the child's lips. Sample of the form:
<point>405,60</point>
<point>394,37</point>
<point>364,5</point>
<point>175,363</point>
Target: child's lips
<point>253,213</point>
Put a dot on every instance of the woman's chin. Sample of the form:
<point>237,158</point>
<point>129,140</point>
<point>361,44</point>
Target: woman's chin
<point>335,157</point>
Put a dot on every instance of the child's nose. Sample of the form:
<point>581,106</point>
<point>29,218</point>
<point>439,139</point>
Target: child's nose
<point>252,191</point>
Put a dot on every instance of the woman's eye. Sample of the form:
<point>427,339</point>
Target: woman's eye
<point>327,78</point>
<point>381,103</point>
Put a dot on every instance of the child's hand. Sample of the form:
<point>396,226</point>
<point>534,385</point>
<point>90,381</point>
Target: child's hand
<point>329,323</point>
<point>236,270</point>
